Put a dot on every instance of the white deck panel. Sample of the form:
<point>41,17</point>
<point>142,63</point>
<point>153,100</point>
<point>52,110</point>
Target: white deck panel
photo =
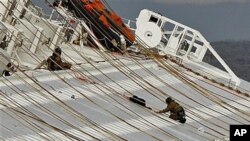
<point>106,115</point>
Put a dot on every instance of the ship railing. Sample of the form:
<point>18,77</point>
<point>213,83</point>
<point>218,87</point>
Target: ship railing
<point>130,23</point>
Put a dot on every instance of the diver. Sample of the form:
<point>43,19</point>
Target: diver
<point>176,111</point>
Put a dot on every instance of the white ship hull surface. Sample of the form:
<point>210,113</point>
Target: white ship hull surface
<point>87,103</point>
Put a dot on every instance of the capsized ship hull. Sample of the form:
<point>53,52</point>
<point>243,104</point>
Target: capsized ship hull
<point>87,102</point>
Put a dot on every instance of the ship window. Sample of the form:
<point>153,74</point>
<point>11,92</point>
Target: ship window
<point>199,42</point>
<point>190,33</point>
<point>193,49</point>
<point>159,23</point>
<point>185,46</point>
<point>188,38</point>
<point>153,19</point>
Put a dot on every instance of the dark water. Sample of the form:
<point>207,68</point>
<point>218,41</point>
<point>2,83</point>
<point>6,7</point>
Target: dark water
<point>236,54</point>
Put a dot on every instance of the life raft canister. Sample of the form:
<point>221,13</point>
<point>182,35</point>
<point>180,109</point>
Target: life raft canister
<point>104,21</point>
<point>117,19</point>
<point>124,29</point>
<point>85,1</point>
<point>89,7</point>
<point>128,33</point>
<point>98,6</point>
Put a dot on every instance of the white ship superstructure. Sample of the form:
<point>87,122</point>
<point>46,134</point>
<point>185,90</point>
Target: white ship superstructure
<point>86,102</point>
